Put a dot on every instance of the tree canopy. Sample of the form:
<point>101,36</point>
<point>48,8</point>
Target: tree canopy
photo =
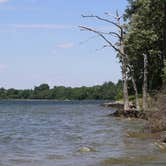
<point>146,21</point>
<point>108,90</point>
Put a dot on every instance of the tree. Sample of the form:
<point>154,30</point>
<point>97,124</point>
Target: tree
<point>164,31</point>
<point>42,87</point>
<point>120,35</point>
<point>3,94</point>
<point>108,90</point>
<point>41,92</point>
<point>144,43</point>
<point>12,93</point>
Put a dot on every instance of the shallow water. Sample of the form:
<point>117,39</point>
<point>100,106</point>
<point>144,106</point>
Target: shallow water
<point>50,133</point>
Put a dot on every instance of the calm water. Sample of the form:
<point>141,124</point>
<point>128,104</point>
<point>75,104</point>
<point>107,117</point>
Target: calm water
<point>47,133</point>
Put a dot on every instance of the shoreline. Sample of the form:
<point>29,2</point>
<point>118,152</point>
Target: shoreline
<point>153,125</point>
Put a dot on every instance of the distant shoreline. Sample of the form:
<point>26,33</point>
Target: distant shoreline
<point>54,100</point>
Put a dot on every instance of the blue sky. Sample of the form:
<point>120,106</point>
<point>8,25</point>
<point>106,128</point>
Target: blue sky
<point>40,42</point>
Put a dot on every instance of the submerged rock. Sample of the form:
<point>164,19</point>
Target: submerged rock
<point>86,149</point>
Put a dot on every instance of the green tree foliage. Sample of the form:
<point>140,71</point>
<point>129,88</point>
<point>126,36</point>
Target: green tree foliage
<point>145,36</point>
<point>108,90</point>
<point>3,93</point>
<point>41,92</point>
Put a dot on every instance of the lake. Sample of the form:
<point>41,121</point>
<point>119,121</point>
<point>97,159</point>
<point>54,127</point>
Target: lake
<point>51,133</point>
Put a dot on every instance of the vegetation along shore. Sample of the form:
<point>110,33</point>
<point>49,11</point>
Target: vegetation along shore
<point>142,54</point>
<point>107,91</point>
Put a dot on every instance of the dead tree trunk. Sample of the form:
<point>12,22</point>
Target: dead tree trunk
<point>136,94</point>
<point>145,84</point>
<point>124,75</point>
<point>131,70</point>
<point>164,33</point>
<point>124,66</point>
<point>125,85</point>
<point>121,52</point>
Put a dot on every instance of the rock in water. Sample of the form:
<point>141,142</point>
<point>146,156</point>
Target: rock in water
<point>161,146</point>
<point>86,149</point>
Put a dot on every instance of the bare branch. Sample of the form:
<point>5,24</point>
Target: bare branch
<point>82,42</point>
<point>110,14</point>
<point>105,20</point>
<point>103,47</point>
<point>106,33</point>
<point>115,34</point>
<point>117,14</point>
<point>102,36</point>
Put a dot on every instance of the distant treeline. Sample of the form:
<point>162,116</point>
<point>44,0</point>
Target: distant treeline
<point>108,90</point>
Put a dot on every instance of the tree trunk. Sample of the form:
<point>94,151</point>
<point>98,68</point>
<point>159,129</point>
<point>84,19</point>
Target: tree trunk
<point>145,84</point>
<point>124,76</point>
<point>120,50</point>
<point>136,94</point>
<point>164,41</point>
<point>134,85</point>
<point>125,85</point>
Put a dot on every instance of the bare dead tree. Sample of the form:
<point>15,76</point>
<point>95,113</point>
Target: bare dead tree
<point>135,88</point>
<point>120,49</point>
<point>145,84</point>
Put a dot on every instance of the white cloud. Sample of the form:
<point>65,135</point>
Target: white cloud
<point>9,27</point>
<point>3,1</point>
<point>65,45</point>
<point>62,46</point>
<point>40,26</point>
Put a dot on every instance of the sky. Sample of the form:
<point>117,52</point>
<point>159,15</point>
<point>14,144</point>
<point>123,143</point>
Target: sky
<point>40,42</point>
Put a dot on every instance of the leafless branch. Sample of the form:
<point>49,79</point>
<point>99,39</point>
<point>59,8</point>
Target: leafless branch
<point>107,33</point>
<point>102,36</point>
<point>115,34</point>
<point>103,19</point>
<point>82,42</point>
<point>103,47</point>
<point>116,17</point>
